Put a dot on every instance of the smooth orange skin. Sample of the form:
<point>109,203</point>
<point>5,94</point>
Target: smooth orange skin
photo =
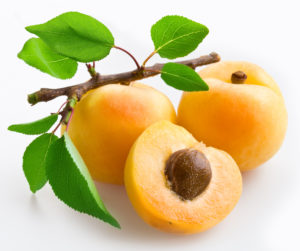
<point>248,121</point>
<point>107,121</point>
<point>157,204</point>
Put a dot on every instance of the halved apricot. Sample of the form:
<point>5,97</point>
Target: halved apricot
<point>177,184</point>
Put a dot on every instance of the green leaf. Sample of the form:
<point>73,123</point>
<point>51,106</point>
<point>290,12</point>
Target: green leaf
<point>36,127</point>
<point>37,54</point>
<point>176,36</point>
<point>34,161</point>
<point>71,181</point>
<point>182,77</point>
<point>76,36</point>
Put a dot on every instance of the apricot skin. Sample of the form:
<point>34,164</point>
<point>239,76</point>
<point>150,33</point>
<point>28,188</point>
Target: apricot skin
<point>107,121</point>
<point>153,199</point>
<point>247,120</point>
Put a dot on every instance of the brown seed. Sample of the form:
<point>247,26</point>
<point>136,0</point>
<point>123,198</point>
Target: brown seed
<point>238,77</point>
<point>189,173</point>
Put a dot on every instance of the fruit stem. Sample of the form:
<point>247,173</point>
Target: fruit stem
<point>238,77</point>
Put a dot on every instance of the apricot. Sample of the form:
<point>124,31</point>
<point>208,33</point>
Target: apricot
<point>177,184</point>
<point>107,121</point>
<point>243,112</point>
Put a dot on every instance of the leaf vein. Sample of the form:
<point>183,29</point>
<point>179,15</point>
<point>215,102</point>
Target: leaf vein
<point>172,40</point>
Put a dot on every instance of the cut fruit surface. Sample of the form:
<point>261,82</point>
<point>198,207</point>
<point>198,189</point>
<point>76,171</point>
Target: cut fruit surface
<point>150,192</point>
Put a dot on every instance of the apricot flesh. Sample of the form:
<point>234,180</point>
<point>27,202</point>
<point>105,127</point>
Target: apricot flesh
<point>246,120</point>
<point>107,121</point>
<point>151,196</point>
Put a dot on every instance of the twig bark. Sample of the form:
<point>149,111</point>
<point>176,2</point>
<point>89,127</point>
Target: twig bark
<point>46,94</point>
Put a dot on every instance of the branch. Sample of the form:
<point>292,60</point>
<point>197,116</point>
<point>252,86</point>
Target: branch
<point>45,94</point>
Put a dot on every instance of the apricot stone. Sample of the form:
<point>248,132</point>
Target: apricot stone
<point>149,189</point>
<point>247,119</point>
<point>107,121</point>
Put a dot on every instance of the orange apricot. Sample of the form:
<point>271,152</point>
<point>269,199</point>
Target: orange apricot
<point>177,184</point>
<point>243,112</point>
<point>107,121</point>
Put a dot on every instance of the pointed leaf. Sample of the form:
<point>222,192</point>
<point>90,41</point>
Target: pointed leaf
<point>182,77</point>
<point>76,36</point>
<point>36,127</point>
<point>176,36</point>
<point>71,181</point>
<point>37,54</point>
<point>34,161</point>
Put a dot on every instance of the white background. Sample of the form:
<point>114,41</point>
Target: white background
<point>266,217</point>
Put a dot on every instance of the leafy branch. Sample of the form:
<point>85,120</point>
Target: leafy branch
<point>46,94</point>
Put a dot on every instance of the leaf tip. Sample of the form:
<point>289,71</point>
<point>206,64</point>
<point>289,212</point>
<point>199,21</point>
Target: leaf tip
<point>33,190</point>
<point>206,30</point>
<point>19,55</point>
<point>115,223</point>
<point>30,28</point>
<point>205,86</point>
<point>10,128</point>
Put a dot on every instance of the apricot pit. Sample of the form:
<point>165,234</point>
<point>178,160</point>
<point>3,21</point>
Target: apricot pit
<point>189,173</point>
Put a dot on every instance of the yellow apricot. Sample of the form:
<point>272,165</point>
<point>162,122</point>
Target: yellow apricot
<point>246,120</point>
<point>107,121</point>
<point>151,195</point>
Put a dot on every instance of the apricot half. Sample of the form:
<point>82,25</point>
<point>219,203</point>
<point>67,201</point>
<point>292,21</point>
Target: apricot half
<point>177,184</point>
<point>246,118</point>
<point>107,121</point>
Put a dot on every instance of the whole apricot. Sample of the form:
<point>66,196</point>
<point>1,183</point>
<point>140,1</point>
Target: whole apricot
<point>177,184</point>
<point>107,121</point>
<point>243,112</point>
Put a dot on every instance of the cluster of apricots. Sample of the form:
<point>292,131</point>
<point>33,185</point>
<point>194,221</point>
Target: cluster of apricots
<point>131,135</point>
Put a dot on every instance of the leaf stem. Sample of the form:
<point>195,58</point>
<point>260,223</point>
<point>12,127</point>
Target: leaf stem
<point>55,129</point>
<point>130,55</point>
<point>147,59</point>
<point>64,103</point>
